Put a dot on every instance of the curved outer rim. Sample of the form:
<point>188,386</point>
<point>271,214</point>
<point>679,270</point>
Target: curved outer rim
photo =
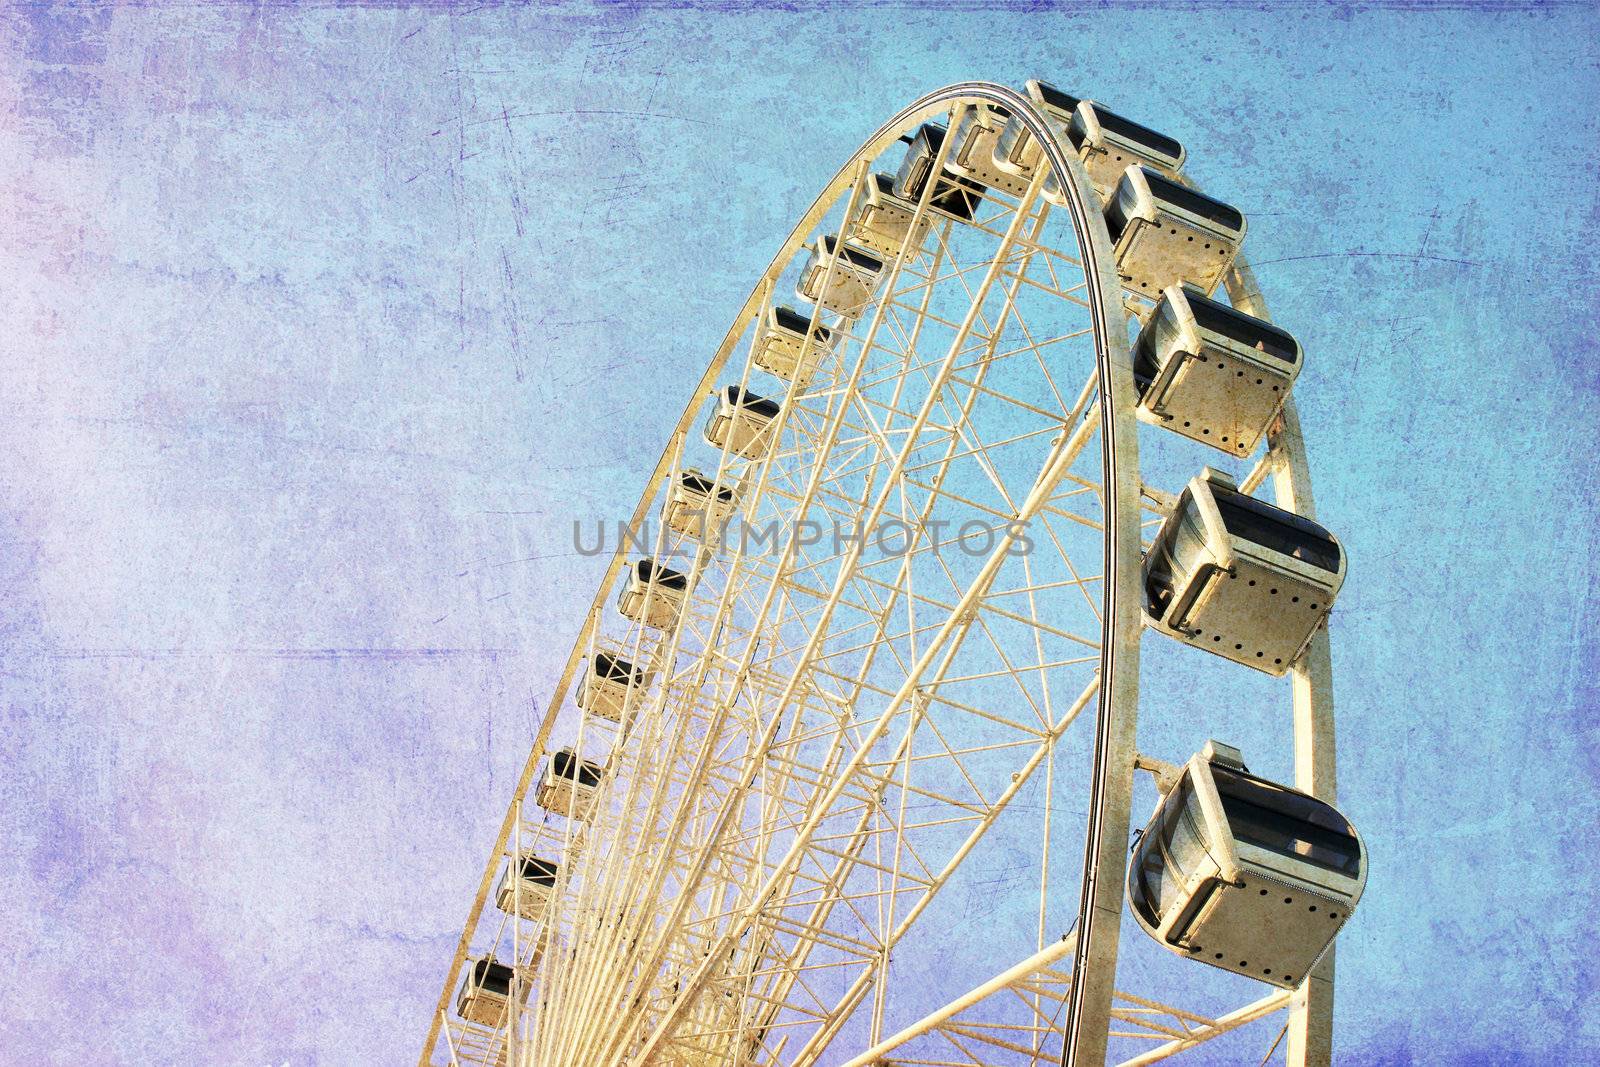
<point>1105,856</point>
<point>1121,619</point>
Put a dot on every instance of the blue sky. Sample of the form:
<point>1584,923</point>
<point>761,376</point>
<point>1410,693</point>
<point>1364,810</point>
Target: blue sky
<point>323,325</point>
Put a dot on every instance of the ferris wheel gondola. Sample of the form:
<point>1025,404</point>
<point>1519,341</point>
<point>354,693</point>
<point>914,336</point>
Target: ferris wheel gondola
<point>700,507</point>
<point>609,685</point>
<point>1245,874</point>
<point>742,422</point>
<point>953,194</point>
<point>1166,233</point>
<point>790,346</point>
<point>1109,144</point>
<point>569,785</point>
<point>527,886</point>
<point>885,222</point>
<point>1212,373</point>
<point>976,153</point>
<point>839,276</point>
<point>653,594</point>
<point>1239,577</point>
<point>486,992</point>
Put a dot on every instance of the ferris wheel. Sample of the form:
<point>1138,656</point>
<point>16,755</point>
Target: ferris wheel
<point>848,741</point>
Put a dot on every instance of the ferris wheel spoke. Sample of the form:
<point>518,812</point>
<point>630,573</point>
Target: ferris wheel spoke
<point>1018,1012</point>
<point>1056,288</point>
<point>848,1003</point>
<point>1063,725</point>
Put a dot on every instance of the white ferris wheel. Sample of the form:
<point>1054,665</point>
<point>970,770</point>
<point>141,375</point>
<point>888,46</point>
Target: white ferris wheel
<point>872,657</point>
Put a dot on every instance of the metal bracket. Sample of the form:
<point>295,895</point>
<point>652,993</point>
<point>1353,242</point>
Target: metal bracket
<point>1166,774</point>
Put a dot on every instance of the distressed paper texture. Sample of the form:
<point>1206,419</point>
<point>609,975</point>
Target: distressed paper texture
<point>322,325</point>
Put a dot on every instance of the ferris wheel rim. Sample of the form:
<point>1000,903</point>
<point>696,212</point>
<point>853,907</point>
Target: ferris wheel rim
<point>1103,293</point>
<point>1113,365</point>
<point>1100,278</point>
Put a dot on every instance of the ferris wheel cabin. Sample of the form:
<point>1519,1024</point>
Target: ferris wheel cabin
<point>1239,577</point>
<point>608,686</point>
<point>568,784</point>
<point>882,220</point>
<point>1245,874</point>
<point>974,150</point>
<point>486,992</point>
<point>653,594</point>
<point>699,507</point>
<point>1164,233</point>
<point>954,195</point>
<point>1017,151</point>
<point>839,276</point>
<point>1109,144</point>
<point>527,886</point>
<point>742,422</point>
<point>1212,373</point>
<point>789,347</point>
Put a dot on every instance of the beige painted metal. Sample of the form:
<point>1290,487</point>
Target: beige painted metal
<point>1259,1009</point>
<point>740,952</point>
<point>957,621</point>
<point>954,1035</point>
<point>1315,764</point>
<point>1004,980</point>
<point>1094,968</point>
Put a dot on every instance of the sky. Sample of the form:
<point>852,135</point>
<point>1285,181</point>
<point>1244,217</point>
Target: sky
<point>323,324</point>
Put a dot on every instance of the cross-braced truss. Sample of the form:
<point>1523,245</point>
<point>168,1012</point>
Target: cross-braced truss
<point>868,708</point>
<point>1015,1018</point>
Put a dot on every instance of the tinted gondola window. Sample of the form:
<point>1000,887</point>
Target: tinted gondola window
<point>703,486</point>
<point>1144,883</point>
<point>854,256</point>
<point>1117,208</point>
<point>696,484</point>
<point>914,171</point>
<point>1277,529</point>
<point>1177,850</point>
<point>755,405</point>
<point>1176,555</point>
<point>1195,203</point>
<point>1180,835</point>
<point>541,872</point>
<point>492,977</point>
<point>566,765</point>
<point>1055,98</point>
<point>1219,318</point>
<point>1190,541</point>
<point>1129,130</point>
<point>1288,823</point>
<point>1145,366</point>
<point>665,577</point>
<point>1158,579</point>
<point>612,669</point>
<point>1162,334</point>
<point>792,320</point>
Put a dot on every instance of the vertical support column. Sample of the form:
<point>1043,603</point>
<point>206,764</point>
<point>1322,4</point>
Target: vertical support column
<point>1315,771</point>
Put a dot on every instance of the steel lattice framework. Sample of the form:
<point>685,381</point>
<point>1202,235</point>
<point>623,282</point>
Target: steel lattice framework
<point>927,653</point>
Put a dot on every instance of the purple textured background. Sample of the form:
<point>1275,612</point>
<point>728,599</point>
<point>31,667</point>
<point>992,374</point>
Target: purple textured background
<point>320,326</point>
